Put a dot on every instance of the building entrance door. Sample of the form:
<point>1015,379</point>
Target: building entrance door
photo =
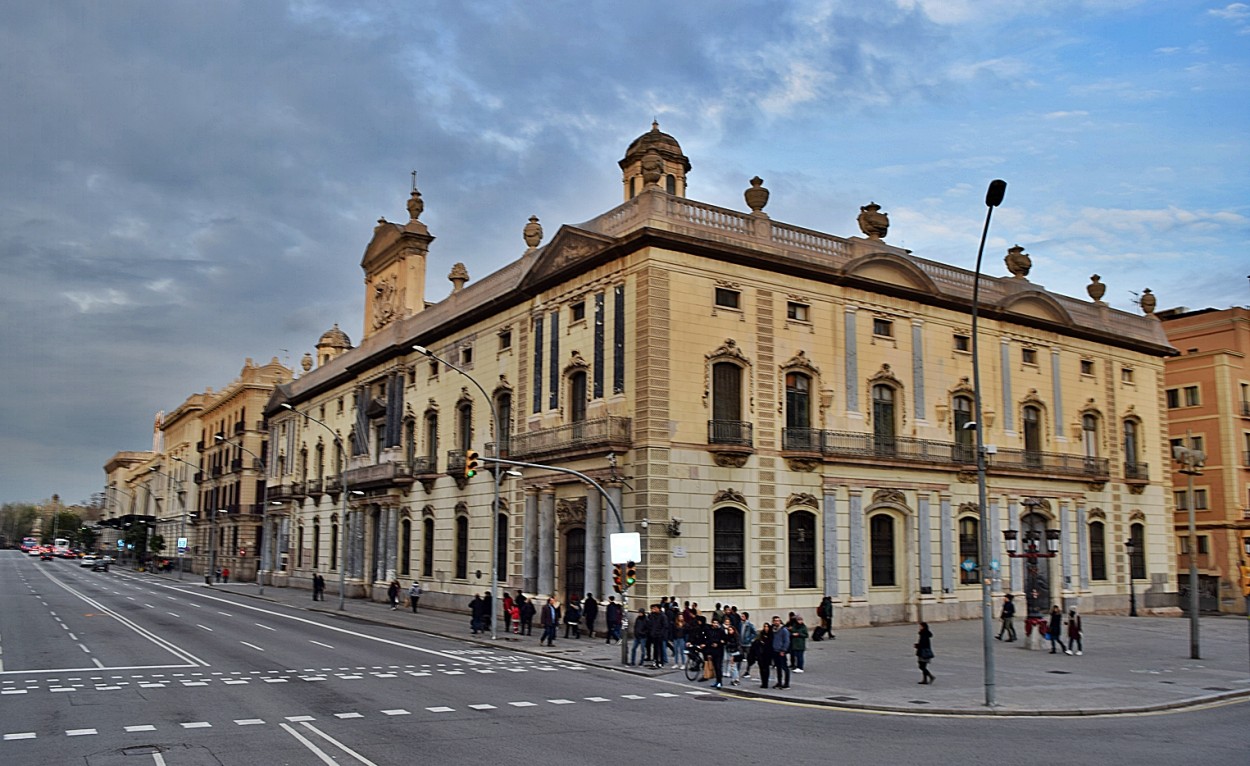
<point>574,565</point>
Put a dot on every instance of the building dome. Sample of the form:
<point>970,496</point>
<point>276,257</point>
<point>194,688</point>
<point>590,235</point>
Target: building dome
<point>333,342</point>
<point>651,154</point>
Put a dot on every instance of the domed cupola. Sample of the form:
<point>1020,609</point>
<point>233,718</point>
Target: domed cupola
<point>333,342</point>
<point>655,159</point>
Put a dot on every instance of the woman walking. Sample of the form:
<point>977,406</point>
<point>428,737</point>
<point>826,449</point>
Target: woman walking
<point>1074,632</point>
<point>798,644</point>
<point>733,652</point>
<point>1056,630</point>
<point>924,653</point>
<point>679,641</point>
<point>392,594</point>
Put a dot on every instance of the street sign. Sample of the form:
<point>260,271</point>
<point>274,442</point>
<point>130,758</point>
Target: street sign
<point>994,564</point>
<point>182,545</point>
<point>968,565</point>
<point>625,547</point>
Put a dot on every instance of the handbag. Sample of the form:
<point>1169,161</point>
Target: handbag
<point>708,670</point>
<point>926,654</point>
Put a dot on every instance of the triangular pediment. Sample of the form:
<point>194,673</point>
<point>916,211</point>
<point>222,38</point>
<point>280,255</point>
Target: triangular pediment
<point>567,248</point>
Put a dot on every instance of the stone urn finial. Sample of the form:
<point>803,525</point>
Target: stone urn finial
<point>1018,262</point>
<point>458,276</point>
<point>1147,302</point>
<point>307,362</point>
<point>533,232</point>
<point>1096,288</point>
<point>756,196</point>
<point>415,205</point>
<point>652,168</point>
<point>873,222</point>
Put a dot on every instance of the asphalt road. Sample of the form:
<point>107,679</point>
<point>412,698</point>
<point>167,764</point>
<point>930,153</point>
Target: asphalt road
<point>104,669</point>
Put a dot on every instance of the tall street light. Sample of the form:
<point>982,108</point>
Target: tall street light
<point>264,517</point>
<point>494,515</point>
<point>199,469</point>
<point>1192,461</point>
<point>993,198</point>
<point>342,503</point>
<point>182,513</point>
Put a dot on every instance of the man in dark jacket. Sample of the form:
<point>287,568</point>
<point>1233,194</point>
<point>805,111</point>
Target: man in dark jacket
<point>657,634</point>
<point>613,613</point>
<point>590,613</point>
<point>640,636</point>
<point>549,619</point>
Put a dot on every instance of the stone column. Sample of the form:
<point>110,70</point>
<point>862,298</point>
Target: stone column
<point>594,575</point>
<point>529,544</point>
<point>945,544</point>
<point>924,539</point>
<point>1065,552</point>
<point>830,527</point>
<point>1082,547</point>
<point>995,534</point>
<point>859,583</point>
<point>1017,565</point>
<point>546,542</point>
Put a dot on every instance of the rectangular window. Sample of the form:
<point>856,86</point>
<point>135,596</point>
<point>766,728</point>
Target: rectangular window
<point>1174,398</point>
<point>577,312</point>
<point>433,368</point>
<point>1126,374</point>
<point>1203,545</point>
<point>1028,355</point>
<point>1087,366</point>
<point>728,299</point>
<point>797,312</point>
<point>963,342</point>
<point>1191,396</point>
<point>882,327</point>
<point>505,340</point>
<point>466,355</point>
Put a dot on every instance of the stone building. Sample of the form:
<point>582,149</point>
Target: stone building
<point>780,413</point>
<point>1207,396</point>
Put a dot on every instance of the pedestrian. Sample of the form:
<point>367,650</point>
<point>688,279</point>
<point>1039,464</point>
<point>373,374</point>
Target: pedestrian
<point>225,575</point>
<point>825,614</point>
<point>657,636</point>
<point>414,595</point>
<point>392,594</point>
<point>1056,629</point>
<point>735,618</point>
<point>527,615</point>
<point>550,620</point>
<point>507,612</point>
<point>319,587</point>
<point>217,574</point>
<point>613,614</point>
<point>733,652</point>
<point>475,613</point>
<point>763,647</point>
<point>924,653</point>
<point>798,644</point>
<point>1007,615</point>
<point>781,648</point>
<point>590,613</point>
<point>573,619</point>
<point>640,637</point>
<point>714,650</point>
<point>514,617</point>
<point>679,641</point>
<point>746,639</point>
<point>1074,632</point>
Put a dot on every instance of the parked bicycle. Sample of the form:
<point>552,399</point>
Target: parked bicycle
<point>694,663</point>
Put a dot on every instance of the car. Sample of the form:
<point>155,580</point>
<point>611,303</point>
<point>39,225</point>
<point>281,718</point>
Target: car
<point>87,560</point>
<point>45,555</point>
<point>101,564</point>
<point>35,551</point>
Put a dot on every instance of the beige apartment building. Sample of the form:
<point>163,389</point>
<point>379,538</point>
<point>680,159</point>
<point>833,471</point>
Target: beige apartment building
<point>1208,400</point>
<point>779,412</point>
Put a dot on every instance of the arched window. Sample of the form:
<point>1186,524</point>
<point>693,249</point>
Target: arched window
<point>729,551</point>
<point>802,534</point>
<point>883,423</point>
<point>1089,435</point>
<point>798,434</point>
<point>881,547</point>
<point>334,545</point>
<point>670,184</point>
<point>503,410</point>
<point>431,439</point>
<point>726,426</point>
<point>464,425</point>
<point>427,548</point>
<point>965,438</point>
<point>405,547</point>
<point>1097,550</point>
<point>969,550</point>
<point>299,547</point>
<point>1032,418</point>
<point>501,547</point>
<point>1137,558</point>
<point>316,541</point>
<point>462,548</point>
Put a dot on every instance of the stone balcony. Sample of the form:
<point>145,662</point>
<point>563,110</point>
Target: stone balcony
<point>606,434</point>
<point>380,476</point>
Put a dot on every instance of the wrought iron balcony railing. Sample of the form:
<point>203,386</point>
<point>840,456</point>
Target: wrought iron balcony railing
<point>737,433</point>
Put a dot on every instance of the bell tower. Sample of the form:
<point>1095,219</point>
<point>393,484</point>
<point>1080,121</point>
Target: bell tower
<point>654,159</point>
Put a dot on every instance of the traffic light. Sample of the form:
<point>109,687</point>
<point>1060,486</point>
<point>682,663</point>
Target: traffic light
<point>472,462</point>
<point>631,574</point>
<point>1245,581</point>
<point>617,583</point>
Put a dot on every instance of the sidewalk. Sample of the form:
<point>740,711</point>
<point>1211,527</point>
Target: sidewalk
<point>1130,664</point>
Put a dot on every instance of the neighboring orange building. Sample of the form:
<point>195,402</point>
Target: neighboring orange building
<point>1208,393</point>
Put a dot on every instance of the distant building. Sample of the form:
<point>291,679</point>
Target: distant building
<point>1208,396</point>
<point>779,412</point>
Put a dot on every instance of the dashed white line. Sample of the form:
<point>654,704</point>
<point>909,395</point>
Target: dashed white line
<point>197,725</point>
<point>250,721</point>
<point>254,646</point>
<point>79,732</point>
<point>441,709</point>
<point>318,643</point>
<point>483,707</point>
<point>205,627</point>
<point>19,735</point>
<point>396,711</point>
<point>266,627</point>
<point>143,727</point>
<point>349,715</point>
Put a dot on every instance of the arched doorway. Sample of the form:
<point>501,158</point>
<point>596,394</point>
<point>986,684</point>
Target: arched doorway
<point>574,564</point>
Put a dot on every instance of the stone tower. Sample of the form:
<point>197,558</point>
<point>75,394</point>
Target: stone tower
<point>394,266</point>
<point>654,158</point>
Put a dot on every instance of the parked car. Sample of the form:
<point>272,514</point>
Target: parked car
<point>87,560</point>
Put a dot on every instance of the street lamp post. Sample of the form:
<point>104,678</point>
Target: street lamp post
<point>264,518</point>
<point>1031,553</point>
<point>993,198</point>
<point>182,512</point>
<point>1132,592</point>
<point>342,503</point>
<point>494,516</point>
<point>1192,461</point>
<point>185,515</point>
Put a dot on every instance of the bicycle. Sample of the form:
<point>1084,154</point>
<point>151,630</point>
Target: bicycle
<point>694,663</point>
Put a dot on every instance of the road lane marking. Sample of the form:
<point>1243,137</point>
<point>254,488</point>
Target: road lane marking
<point>197,725</point>
<point>396,711</point>
<point>250,721</point>
<point>266,627</point>
<point>19,735</point>
<point>205,627</point>
<point>526,704</point>
<point>300,718</point>
<point>225,614</point>
<point>441,709</point>
<point>325,758</point>
<point>318,643</point>
<point>349,715</point>
<point>483,707</point>
<point>143,727</point>
<point>79,732</point>
<point>254,646</point>
<point>85,649</point>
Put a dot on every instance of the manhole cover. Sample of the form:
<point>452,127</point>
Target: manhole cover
<point>1060,672</point>
<point>710,699</point>
<point>919,702</point>
<point>1215,689</point>
<point>843,698</point>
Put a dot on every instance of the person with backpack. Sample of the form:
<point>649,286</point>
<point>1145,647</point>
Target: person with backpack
<point>824,612</point>
<point>414,595</point>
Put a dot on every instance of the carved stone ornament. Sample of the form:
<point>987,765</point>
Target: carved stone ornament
<point>1099,486</point>
<point>1018,262</point>
<point>571,251</point>
<point>462,507</point>
<point>576,362</point>
<point>968,508</point>
<point>466,399</point>
<point>1036,504</point>
<point>966,477</point>
<point>385,301</point>
<point>533,232</point>
<point>873,222</point>
<point>652,168</point>
<point>726,459</point>
<point>571,511</point>
<point>891,496</point>
<point>729,496</point>
<point>803,464</point>
<point>458,276</point>
<point>1096,288</point>
<point>806,499</point>
<point>800,362</point>
<point>307,362</point>
<point>756,196</point>
<point>1147,302</point>
<point>416,206</point>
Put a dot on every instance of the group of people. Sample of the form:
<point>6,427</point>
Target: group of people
<point>1055,626</point>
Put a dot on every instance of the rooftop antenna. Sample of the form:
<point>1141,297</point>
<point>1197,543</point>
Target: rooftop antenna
<point>414,180</point>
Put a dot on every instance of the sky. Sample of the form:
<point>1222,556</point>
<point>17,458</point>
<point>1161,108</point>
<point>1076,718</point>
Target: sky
<point>185,185</point>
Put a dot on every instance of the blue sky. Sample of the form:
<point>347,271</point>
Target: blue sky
<point>187,185</point>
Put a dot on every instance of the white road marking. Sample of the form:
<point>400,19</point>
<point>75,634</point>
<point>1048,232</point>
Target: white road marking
<point>325,758</point>
<point>597,699</point>
<point>300,718</point>
<point>483,707</point>
<point>562,702</point>
<point>441,709</point>
<point>396,711</point>
<point>348,715</point>
<point>210,630</point>
<point>250,722</point>
<point>79,732</point>
<point>254,646</point>
<point>526,704</point>
<point>266,627</point>
<point>144,727</point>
<point>197,725</point>
<point>318,643</point>
<point>19,735</point>
<point>85,649</point>
<point>225,614</point>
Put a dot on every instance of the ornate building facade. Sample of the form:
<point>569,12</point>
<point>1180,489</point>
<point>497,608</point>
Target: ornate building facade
<point>779,412</point>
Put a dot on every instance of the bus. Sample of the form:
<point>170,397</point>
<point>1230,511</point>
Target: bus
<point>28,543</point>
<point>60,548</point>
